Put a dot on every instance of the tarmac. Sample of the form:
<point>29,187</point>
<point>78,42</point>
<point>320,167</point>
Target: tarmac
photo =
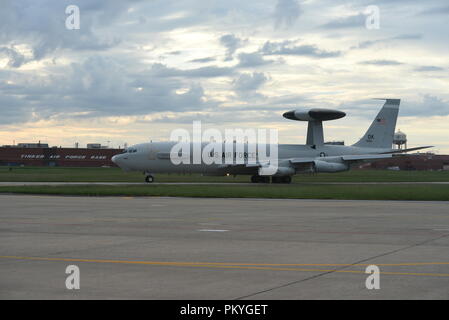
<point>194,248</point>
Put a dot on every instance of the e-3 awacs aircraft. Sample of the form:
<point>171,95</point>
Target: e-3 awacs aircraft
<point>314,156</point>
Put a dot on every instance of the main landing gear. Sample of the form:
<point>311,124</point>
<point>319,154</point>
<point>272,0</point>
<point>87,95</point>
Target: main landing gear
<point>261,179</point>
<point>285,179</point>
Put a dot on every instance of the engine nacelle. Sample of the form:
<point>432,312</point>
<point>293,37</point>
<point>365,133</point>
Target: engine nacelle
<point>276,171</point>
<point>324,166</point>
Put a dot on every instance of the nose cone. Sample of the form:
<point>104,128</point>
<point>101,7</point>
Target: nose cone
<point>121,161</point>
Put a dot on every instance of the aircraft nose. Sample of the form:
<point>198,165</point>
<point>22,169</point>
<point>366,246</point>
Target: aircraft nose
<point>121,161</point>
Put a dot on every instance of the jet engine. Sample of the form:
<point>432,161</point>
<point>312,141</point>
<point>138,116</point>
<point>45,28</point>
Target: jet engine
<point>324,166</point>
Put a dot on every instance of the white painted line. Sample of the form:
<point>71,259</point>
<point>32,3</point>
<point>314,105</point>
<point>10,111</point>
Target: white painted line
<point>212,230</point>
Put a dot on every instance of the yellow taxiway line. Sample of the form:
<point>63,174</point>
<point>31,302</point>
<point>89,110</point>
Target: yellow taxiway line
<point>249,266</point>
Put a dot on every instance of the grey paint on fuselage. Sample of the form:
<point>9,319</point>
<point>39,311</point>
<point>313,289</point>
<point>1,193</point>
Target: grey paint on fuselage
<point>154,157</point>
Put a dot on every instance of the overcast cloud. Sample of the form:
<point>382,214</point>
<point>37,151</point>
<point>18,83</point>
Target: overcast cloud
<point>141,67</point>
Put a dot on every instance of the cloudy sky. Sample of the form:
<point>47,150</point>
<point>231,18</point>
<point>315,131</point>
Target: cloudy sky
<point>135,70</point>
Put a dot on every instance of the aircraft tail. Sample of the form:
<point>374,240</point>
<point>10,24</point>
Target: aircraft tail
<point>380,133</point>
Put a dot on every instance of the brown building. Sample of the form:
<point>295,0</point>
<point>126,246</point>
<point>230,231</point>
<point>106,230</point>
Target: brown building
<point>98,157</point>
<point>412,162</point>
<point>57,157</point>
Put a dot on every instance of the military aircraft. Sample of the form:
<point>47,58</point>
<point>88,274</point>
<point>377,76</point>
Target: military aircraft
<point>314,156</point>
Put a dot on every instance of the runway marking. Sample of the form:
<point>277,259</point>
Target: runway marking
<point>212,230</point>
<point>248,266</point>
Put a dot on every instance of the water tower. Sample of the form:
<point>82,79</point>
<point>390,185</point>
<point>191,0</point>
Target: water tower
<point>400,140</point>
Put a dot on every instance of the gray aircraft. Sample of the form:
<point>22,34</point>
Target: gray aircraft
<point>315,156</point>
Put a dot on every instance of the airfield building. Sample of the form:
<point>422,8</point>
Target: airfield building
<point>424,161</point>
<point>37,154</point>
<point>97,155</point>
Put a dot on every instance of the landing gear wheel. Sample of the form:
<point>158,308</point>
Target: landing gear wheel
<point>260,179</point>
<point>149,179</point>
<point>286,179</point>
<point>265,179</point>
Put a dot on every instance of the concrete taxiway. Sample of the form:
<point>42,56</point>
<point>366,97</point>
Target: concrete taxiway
<point>191,248</point>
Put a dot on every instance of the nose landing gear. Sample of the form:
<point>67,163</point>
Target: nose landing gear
<point>149,178</point>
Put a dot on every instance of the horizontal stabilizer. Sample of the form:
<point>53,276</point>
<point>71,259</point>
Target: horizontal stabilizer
<point>409,149</point>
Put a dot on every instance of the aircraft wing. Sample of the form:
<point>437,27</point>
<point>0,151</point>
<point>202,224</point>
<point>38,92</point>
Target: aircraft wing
<point>358,157</point>
<point>333,163</point>
<point>323,164</point>
<point>301,160</point>
<point>245,165</point>
<point>242,168</point>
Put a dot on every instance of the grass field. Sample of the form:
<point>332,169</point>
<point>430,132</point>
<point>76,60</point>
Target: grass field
<point>301,188</point>
<point>297,191</point>
<point>34,174</point>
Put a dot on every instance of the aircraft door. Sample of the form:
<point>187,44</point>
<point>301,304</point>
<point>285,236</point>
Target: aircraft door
<point>152,152</point>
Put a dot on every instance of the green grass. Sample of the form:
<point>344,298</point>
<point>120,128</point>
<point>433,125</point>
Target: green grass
<point>45,174</point>
<point>48,174</point>
<point>298,191</point>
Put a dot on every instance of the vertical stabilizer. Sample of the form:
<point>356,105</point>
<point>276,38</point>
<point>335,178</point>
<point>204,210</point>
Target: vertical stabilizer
<point>380,133</point>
